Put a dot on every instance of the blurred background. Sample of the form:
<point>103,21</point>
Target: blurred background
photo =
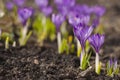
<point>110,21</point>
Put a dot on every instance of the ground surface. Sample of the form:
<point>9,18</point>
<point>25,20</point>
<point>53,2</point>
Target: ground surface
<point>44,63</point>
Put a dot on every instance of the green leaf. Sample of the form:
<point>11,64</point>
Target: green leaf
<point>85,62</point>
<point>43,25</point>
<point>7,43</point>
<point>64,46</point>
<point>27,37</point>
<point>87,47</point>
<point>51,29</point>
<point>4,35</point>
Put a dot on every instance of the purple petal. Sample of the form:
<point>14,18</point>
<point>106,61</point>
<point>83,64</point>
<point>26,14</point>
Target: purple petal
<point>19,3</point>
<point>83,33</point>
<point>98,10</point>
<point>47,10</point>
<point>96,41</point>
<point>76,19</point>
<point>96,22</point>
<point>65,2</point>
<point>41,3</point>
<point>9,5</point>
<point>58,19</point>
<point>24,14</point>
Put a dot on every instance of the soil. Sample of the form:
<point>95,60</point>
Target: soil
<point>43,63</point>
<point>32,62</point>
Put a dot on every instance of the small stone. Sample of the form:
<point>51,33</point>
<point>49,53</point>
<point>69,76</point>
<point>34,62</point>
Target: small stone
<point>36,61</point>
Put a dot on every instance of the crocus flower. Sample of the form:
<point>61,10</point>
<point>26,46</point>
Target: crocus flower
<point>41,3</point>
<point>83,33</point>
<point>24,14</point>
<point>65,2</point>
<point>64,10</point>
<point>96,41</point>
<point>47,10</point>
<point>9,5</point>
<point>75,19</point>
<point>83,9</point>
<point>58,19</point>
<point>98,10</point>
<point>19,3</point>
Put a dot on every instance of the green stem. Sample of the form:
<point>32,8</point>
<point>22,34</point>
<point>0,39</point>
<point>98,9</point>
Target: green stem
<point>7,43</point>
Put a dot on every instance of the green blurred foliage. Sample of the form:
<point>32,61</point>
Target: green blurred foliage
<point>44,28</point>
<point>4,35</point>
<point>85,63</point>
<point>67,45</point>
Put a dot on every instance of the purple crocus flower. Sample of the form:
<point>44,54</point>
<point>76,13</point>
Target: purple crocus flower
<point>96,22</point>
<point>76,19</point>
<point>47,10</point>
<point>41,3</point>
<point>98,10</point>
<point>63,10</point>
<point>24,14</point>
<point>83,9</point>
<point>65,2</point>
<point>9,5</point>
<point>58,19</point>
<point>83,33</point>
<point>96,41</point>
<point>19,3</point>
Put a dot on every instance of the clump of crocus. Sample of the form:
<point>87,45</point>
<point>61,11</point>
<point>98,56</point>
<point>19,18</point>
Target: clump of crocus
<point>24,14</point>
<point>82,33</point>
<point>112,68</point>
<point>58,19</point>
<point>96,42</point>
